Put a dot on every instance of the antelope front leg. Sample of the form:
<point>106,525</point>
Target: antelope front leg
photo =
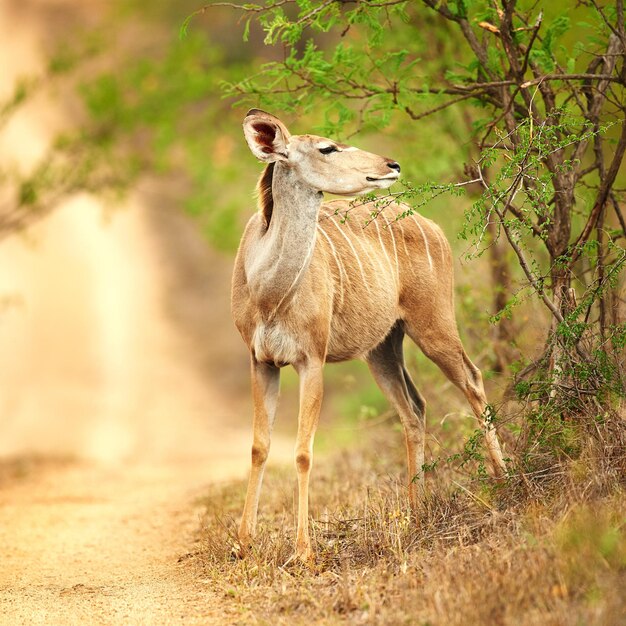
<point>265,384</point>
<point>311,392</point>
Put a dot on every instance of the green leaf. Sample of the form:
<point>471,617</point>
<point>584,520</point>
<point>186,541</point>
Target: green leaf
<point>182,32</point>
<point>557,28</point>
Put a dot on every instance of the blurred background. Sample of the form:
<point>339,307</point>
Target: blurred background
<point>125,184</point>
<point>114,320</point>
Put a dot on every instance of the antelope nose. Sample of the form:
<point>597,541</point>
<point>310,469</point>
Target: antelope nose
<point>394,166</point>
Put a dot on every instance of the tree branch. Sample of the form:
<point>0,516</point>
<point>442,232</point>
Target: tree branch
<point>603,193</point>
<point>468,33</point>
<point>537,286</point>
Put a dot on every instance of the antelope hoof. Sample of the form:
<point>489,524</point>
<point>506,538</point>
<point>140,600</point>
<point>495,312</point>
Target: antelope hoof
<point>303,556</point>
<point>241,548</point>
<point>239,551</point>
<point>417,495</point>
<point>307,557</point>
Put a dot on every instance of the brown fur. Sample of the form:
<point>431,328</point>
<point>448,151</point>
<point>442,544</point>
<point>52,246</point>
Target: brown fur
<point>357,314</point>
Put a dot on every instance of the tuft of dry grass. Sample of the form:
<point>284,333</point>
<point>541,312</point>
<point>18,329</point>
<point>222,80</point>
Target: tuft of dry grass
<point>540,549</point>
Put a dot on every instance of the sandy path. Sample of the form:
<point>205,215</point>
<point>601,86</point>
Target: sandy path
<point>97,541</point>
<point>89,544</point>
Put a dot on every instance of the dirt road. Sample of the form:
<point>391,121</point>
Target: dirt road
<point>87,544</point>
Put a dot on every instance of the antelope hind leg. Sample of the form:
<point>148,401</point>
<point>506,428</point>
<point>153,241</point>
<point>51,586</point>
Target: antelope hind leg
<point>386,362</point>
<point>439,341</point>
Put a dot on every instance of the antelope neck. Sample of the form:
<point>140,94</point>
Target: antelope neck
<point>277,261</point>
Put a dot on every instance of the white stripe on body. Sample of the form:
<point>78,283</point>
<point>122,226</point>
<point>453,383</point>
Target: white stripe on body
<point>406,251</point>
<point>365,246</point>
<point>340,267</point>
<point>430,259</point>
<point>395,250</point>
<point>356,256</point>
<point>382,245</point>
<point>295,280</point>
<point>442,245</point>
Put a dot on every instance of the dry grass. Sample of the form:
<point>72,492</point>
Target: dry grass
<point>535,550</point>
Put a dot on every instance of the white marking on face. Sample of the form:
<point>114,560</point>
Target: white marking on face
<point>350,149</point>
<point>356,256</point>
<point>430,259</point>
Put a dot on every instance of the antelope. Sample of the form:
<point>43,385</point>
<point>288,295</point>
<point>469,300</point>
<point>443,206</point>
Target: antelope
<point>312,286</point>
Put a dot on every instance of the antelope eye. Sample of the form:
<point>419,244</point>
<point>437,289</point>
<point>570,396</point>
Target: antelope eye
<point>328,150</point>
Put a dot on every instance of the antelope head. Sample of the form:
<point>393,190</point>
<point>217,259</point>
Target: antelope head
<point>320,163</point>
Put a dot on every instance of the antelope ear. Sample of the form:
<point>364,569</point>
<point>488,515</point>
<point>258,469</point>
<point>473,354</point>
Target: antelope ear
<point>266,135</point>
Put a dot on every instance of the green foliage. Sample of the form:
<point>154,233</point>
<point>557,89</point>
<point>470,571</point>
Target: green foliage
<point>490,101</point>
<point>536,134</point>
<point>22,90</point>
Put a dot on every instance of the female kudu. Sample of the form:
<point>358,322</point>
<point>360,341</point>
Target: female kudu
<point>310,287</point>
